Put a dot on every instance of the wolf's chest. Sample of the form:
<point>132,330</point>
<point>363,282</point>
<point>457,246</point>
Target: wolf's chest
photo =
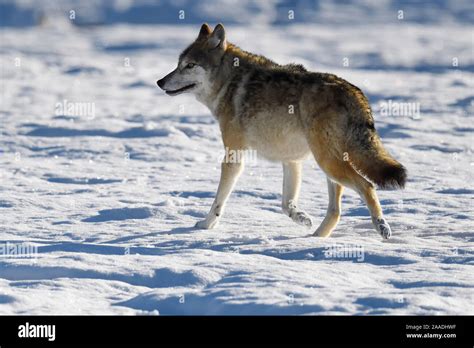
<point>276,137</point>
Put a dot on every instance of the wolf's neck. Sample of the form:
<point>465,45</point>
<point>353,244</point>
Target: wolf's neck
<point>244,58</point>
<point>235,64</point>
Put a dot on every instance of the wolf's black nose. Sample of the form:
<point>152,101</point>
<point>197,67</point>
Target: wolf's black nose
<point>160,83</point>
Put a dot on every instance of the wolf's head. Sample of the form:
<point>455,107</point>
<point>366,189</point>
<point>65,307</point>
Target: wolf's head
<point>196,63</point>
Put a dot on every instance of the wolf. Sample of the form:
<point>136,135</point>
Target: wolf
<point>287,113</point>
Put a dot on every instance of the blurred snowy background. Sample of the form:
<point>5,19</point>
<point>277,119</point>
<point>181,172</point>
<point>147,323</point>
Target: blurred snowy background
<point>21,13</point>
<point>102,176</point>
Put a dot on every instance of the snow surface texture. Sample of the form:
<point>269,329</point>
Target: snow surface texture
<point>109,194</point>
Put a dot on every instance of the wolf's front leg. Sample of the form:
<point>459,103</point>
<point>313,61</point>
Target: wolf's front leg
<point>230,172</point>
<point>291,192</point>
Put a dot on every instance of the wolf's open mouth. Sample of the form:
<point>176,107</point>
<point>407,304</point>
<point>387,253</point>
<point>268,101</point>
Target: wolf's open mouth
<point>176,91</point>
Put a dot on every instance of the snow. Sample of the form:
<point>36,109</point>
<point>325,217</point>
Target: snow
<point>109,195</point>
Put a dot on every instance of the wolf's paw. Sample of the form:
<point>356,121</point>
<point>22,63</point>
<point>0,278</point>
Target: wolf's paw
<point>384,228</point>
<point>205,224</point>
<point>301,218</point>
<point>304,219</point>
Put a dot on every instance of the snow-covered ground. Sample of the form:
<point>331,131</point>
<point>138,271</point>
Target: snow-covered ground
<point>108,194</point>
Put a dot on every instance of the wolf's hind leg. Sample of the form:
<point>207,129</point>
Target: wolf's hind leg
<point>333,212</point>
<point>369,196</point>
<point>291,191</point>
<point>230,172</point>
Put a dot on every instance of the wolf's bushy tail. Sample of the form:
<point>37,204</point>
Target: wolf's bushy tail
<point>374,163</point>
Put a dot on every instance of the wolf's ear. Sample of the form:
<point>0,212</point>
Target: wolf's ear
<point>217,38</point>
<point>205,31</point>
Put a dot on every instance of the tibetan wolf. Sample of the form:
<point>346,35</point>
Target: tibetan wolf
<point>285,113</point>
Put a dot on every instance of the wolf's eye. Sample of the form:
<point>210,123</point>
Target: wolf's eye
<point>190,65</point>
